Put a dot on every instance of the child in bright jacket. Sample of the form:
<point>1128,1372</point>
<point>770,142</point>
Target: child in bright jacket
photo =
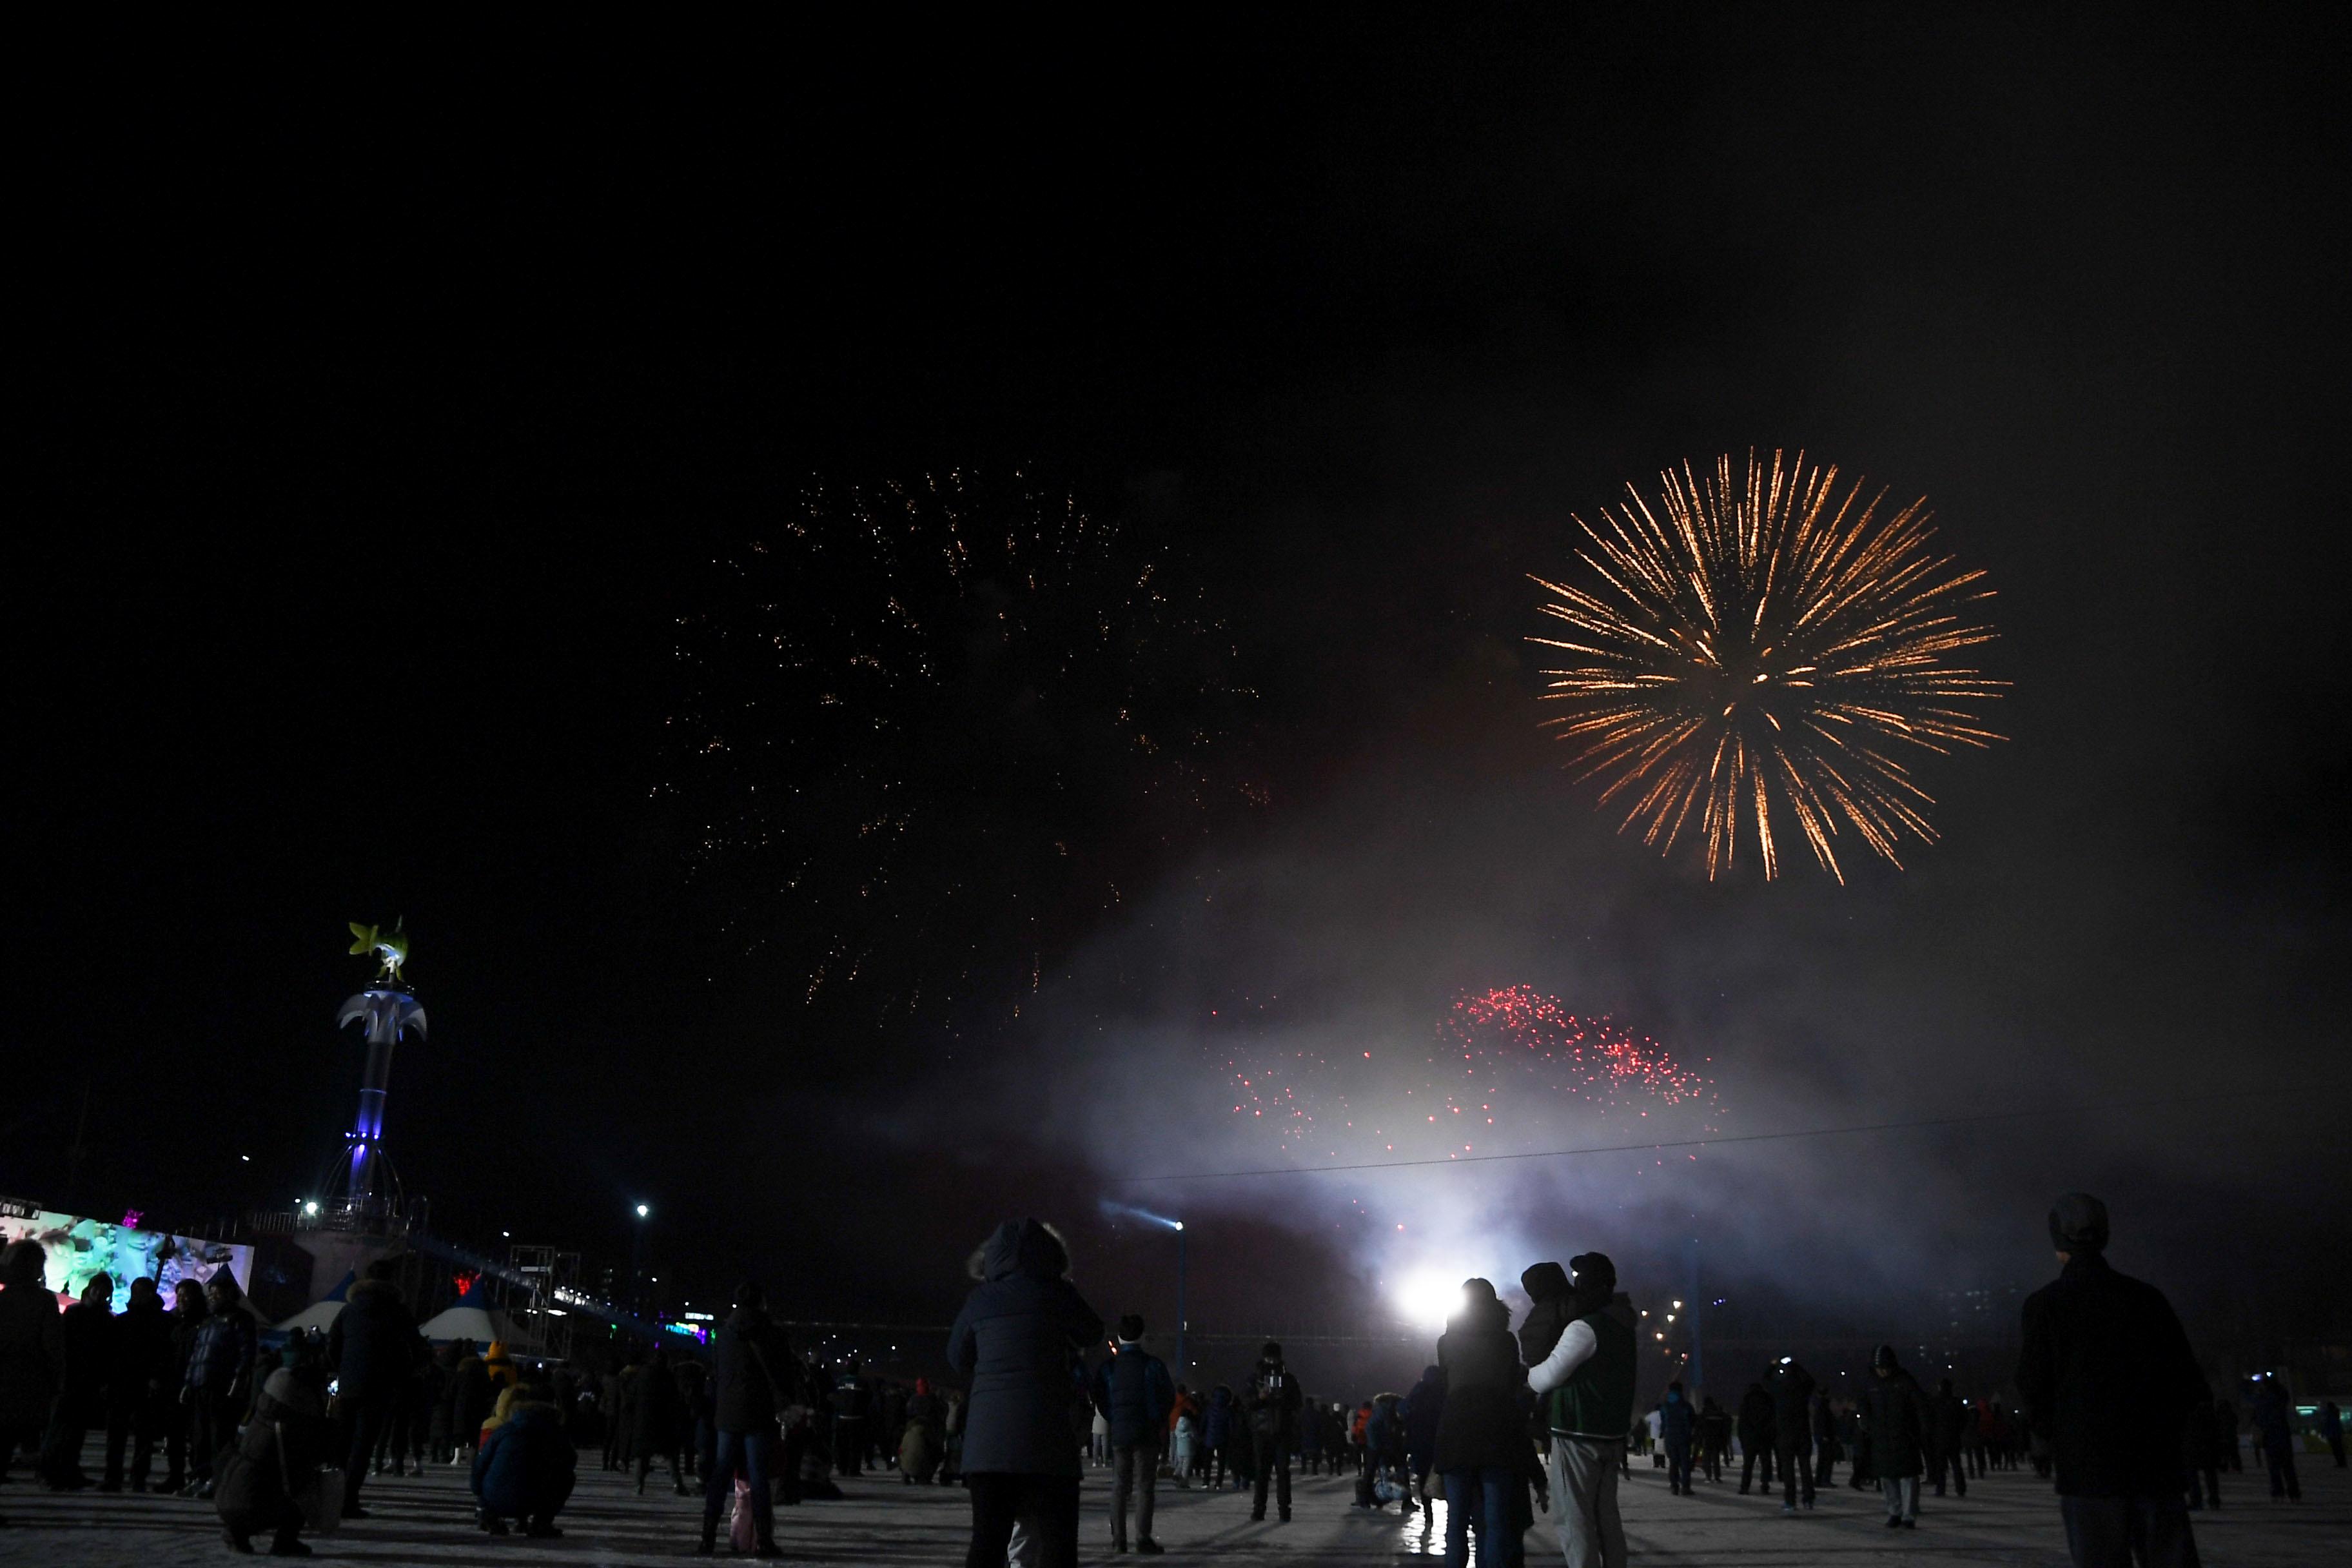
<point>524,1470</point>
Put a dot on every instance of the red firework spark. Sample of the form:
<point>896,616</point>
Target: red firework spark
<point>1519,1026</point>
<point>1495,1053</point>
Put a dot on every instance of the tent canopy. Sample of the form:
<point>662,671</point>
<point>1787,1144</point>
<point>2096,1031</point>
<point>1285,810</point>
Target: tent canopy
<point>479,1324</point>
<point>318,1317</point>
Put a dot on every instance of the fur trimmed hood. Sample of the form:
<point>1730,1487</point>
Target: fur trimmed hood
<point>1025,1247</point>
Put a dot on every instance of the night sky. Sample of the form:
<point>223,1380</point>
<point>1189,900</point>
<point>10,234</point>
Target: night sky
<point>391,405</point>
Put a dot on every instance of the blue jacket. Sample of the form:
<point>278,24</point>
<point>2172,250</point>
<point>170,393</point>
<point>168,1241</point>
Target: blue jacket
<point>1018,1340</point>
<point>1217,1422</point>
<point>224,1351</point>
<point>1134,1391</point>
<point>1675,1420</point>
<point>525,1469</point>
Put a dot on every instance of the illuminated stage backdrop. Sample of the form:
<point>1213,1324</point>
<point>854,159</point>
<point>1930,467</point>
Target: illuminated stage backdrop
<point>79,1247</point>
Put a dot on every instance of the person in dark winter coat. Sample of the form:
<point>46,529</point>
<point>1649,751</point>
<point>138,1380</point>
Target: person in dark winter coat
<point>1547,1285</point>
<point>752,1376</point>
<point>1018,1340</point>
<point>441,1404</point>
<point>694,1439</point>
<point>32,1350</point>
<point>1272,1405</point>
<point>188,1314</point>
<point>1825,1441</point>
<point>894,1421</point>
<point>470,1398</point>
<point>404,1430</point>
<point>1217,1435</point>
<point>659,1417</point>
<point>1856,1438</point>
<point>925,1441</point>
<point>1714,1437</point>
<point>1423,1408</point>
<point>1677,1423</point>
<point>526,1467</point>
<point>141,1387</point>
<point>87,1334</point>
<point>1899,1420</point>
<point>1792,1431</point>
<point>2108,1378</point>
<point>1951,1412</point>
<point>375,1348</point>
<point>850,1403</point>
<point>1384,1454</point>
<point>2273,1414</point>
<point>2331,1429</point>
<point>260,1476</point>
<point>1756,1435</point>
<point>2225,1416</point>
<point>220,1374</point>
<point>1481,1435</point>
<point>2200,1456</point>
<point>1134,1393</point>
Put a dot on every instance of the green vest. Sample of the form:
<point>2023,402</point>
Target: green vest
<point>1597,1400</point>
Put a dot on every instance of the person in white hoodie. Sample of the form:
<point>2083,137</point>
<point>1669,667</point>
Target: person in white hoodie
<point>1585,1384</point>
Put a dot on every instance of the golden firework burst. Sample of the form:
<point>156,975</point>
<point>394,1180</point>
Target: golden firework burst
<point>1758,644</point>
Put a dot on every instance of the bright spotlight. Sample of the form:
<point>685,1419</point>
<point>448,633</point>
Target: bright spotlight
<point>1429,1297</point>
<point>644,1210</point>
<point>1180,1225</point>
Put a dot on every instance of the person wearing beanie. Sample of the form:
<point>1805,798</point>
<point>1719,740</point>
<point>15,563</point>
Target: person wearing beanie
<point>282,1446</point>
<point>1586,1388</point>
<point>1133,1393</point>
<point>220,1375</point>
<point>1900,1423</point>
<point>2108,1379</point>
<point>1272,1405</point>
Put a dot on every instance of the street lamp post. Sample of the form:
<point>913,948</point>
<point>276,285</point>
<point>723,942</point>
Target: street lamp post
<point>638,1257</point>
<point>1183,1367</point>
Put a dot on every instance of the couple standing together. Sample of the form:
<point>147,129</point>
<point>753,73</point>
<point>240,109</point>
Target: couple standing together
<point>1576,1344</point>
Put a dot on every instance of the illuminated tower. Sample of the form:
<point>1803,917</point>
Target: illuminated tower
<point>388,1010</point>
